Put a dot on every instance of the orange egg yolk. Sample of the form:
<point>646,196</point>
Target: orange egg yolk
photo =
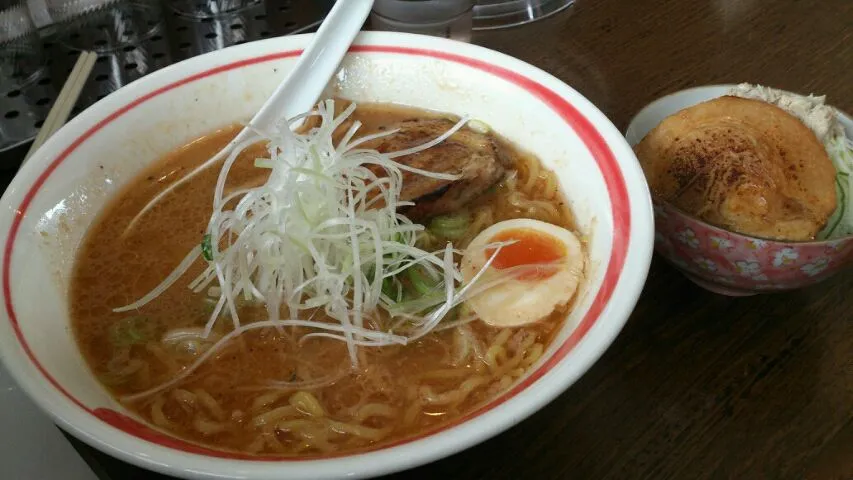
<point>531,247</point>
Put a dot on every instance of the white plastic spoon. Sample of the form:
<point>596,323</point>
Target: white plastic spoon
<point>301,90</point>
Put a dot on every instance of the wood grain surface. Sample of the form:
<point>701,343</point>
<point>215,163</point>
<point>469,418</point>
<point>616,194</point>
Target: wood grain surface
<point>697,386</point>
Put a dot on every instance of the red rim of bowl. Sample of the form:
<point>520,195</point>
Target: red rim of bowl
<point>605,159</point>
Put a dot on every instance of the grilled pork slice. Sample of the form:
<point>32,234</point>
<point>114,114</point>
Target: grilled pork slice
<point>744,165</point>
<point>476,158</point>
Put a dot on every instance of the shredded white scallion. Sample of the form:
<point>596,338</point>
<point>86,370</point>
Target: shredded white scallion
<point>323,232</point>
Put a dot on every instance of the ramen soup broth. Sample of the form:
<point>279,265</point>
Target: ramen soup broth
<point>275,391</point>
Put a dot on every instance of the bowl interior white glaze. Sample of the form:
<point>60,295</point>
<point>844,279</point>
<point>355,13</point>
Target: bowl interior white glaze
<point>56,196</point>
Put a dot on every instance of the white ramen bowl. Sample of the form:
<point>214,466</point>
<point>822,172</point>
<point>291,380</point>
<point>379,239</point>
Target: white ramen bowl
<point>60,191</point>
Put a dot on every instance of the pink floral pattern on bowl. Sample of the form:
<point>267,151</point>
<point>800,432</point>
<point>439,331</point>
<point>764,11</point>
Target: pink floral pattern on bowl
<point>733,264</point>
<point>727,262</point>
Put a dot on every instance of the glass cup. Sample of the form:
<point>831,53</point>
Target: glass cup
<point>441,18</point>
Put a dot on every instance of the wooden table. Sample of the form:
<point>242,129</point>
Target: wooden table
<point>697,385</point>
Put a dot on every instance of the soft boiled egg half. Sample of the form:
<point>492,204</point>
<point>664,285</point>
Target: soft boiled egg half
<point>544,262</point>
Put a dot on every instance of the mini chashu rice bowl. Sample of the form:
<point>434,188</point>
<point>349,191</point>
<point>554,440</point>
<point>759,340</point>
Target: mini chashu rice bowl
<point>57,195</point>
<point>736,264</point>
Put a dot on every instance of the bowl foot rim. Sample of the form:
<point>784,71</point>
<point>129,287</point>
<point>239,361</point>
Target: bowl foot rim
<point>719,289</point>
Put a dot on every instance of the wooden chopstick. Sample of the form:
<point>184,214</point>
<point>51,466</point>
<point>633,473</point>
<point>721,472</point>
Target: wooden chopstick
<point>66,100</point>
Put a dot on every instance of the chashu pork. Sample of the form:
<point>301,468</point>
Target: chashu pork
<point>476,158</point>
<point>744,165</point>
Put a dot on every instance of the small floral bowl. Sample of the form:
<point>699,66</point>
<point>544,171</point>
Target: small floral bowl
<point>733,264</point>
<point>723,261</point>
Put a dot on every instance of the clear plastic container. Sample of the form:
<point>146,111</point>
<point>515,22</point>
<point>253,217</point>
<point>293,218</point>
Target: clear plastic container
<point>493,14</point>
<point>442,18</point>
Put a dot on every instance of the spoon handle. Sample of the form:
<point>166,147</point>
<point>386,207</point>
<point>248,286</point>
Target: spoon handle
<point>317,64</point>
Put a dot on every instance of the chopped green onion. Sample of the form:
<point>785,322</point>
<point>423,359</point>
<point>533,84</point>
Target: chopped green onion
<point>451,226</point>
<point>388,287</point>
<point>264,163</point>
<point>131,331</point>
<point>421,281</point>
<point>840,150</point>
<point>479,126</point>
<point>207,248</point>
<point>838,216</point>
<point>208,305</point>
